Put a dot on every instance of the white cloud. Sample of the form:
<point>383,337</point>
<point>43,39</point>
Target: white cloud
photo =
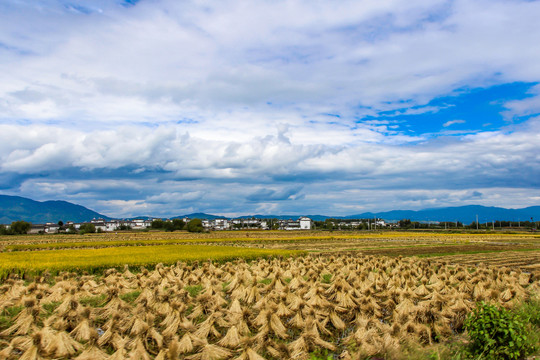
<point>175,197</point>
<point>123,208</point>
<point>144,64</point>
<point>175,170</point>
<point>452,122</point>
<point>528,106</point>
<point>179,100</point>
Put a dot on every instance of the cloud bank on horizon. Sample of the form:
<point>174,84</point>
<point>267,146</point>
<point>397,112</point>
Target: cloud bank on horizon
<point>162,107</point>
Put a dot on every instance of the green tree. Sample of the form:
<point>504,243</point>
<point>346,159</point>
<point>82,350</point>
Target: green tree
<point>405,224</point>
<point>87,228</point>
<point>157,224</point>
<point>20,227</point>
<point>178,224</point>
<point>168,226</point>
<point>195,225</point>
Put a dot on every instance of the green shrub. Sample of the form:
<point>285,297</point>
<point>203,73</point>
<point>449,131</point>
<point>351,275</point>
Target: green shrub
<point>93,301</point>
<point>530,311</point>
<point>194,290</point>
<point>326,278</point>
<point>320,355</point>
<point>130,297</point>
<point>496,333</point>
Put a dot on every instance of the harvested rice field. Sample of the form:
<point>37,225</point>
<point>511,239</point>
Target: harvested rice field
<point>526,261</point>
<point>352,306</point>
<point>252,295</point>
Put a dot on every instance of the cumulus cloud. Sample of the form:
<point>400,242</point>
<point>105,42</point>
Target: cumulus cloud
<point>167,106</point>
<point>164,173</point>
<point>182,58</point>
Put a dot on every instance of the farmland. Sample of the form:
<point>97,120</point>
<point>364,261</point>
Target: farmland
<point>253,295</point>
<point>487,246</point>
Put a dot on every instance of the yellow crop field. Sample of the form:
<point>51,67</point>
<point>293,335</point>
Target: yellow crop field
<point>93,259</point>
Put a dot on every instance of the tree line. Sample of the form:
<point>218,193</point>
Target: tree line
<point>16,228</point>
<point>193,225</point>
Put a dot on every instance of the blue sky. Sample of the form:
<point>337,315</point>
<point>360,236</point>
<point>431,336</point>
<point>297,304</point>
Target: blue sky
<point>163,107</point>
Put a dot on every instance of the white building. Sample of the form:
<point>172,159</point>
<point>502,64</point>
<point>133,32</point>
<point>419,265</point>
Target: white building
<point>305,223</point>
<point>112,225</point>
<point>221,224</point>
<point>246,223</point>
<point>207,224</point>
<point>138,224</point>
<point>51,228</point>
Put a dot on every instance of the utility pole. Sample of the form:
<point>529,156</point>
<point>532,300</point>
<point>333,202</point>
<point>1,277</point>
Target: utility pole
<point>493,222</point>
<point>476,221</point>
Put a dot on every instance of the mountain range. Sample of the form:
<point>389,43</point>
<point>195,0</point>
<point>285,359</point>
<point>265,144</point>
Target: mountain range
<point>13,208</point>
<point>464,214</point>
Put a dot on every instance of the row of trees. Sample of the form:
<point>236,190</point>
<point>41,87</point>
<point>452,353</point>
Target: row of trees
<point>367,224</point>
<point>22,227</point>
<point>344,224</point>
<point>175,224</point>
<point>16,228</point>
<point>408,224</point>
<point>194,225</point>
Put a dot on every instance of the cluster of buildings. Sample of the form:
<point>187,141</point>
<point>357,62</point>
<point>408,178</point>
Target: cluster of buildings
<point>303,223</point>
<point>355,224</point>
<point>102,225</point>
<point>99,224</point>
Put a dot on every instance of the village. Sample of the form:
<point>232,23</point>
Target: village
<point>218,224</point>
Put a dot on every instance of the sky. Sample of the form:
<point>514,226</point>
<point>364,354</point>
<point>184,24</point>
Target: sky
<point>231,107</point>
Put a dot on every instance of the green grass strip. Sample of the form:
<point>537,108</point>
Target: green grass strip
<point>467,252</point>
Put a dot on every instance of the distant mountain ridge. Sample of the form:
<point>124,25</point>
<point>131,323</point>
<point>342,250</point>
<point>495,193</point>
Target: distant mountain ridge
<point>200,216</point>
<point>13,208</point>
<point>464,214</point>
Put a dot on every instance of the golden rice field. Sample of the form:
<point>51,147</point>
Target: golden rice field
<point>252,295</point>
<point>91,260</point>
